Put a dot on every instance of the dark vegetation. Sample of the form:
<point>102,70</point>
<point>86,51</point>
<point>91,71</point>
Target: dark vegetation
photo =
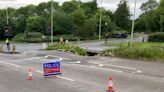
<point>80,19</point>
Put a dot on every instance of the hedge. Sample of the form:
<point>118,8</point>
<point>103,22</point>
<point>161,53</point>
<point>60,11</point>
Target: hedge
<point>156,37</point>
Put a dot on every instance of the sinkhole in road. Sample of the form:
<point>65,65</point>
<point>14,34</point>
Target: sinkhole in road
<point>92,53</point>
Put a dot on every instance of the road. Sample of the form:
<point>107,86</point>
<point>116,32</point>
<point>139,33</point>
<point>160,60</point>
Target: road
<point>100,45</point>
<point>88,45</point>
<point>79,74</point>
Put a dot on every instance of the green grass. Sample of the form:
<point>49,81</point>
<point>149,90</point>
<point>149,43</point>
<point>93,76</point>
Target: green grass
<point>140,44</point>
<point>32,37</point>
<point>68,47</point>
<point>139,50</point>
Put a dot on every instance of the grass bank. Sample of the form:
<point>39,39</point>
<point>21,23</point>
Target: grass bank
<point>68,47</point>
<point>139,50</point>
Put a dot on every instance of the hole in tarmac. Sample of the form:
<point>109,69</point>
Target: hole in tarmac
<point>92,53</point>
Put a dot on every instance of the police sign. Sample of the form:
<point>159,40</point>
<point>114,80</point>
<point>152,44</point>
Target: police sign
<point>51,68</point>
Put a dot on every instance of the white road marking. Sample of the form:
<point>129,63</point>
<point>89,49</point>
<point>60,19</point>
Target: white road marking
<point>131,68</point>
<point>77,62</point>
<point>100,65</point>
<point>10,64</point>
<point>60,58</point>
<point>65,78</point>
<point>43,59</point>
<point>39,71</point>
<point>27,59</point>
<point>61,77</point>
<point>98,68</point>
<point>66,58</point>
<point>46,56</point>
<point>138,71</point>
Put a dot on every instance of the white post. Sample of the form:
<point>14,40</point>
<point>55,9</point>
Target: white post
<point>7,16</point>
<point>52,21</point>
<point>132,31</point>
<point>100,20</point>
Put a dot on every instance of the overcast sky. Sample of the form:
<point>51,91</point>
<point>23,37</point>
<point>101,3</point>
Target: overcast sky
<point>108,4</point>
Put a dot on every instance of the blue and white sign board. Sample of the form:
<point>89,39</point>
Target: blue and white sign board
<point>51,68</point>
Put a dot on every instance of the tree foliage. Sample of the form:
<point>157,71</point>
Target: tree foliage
<point>122,15</point>
<point>152,20</point>
<point>35,24</point>
<point>148,6</point>
<point>81,18</point>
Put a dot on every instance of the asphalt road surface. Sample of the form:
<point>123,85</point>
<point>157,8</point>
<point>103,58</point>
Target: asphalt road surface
<point>100,45</point>
<point>79,74</point>
<point>88,45</point>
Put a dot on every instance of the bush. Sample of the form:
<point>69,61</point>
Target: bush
<point>136,52</point>
<point>68,47</point>
<point>156,37</point>
<point>32,37</point>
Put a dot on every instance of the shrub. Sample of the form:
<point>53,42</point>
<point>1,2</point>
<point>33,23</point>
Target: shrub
<point>35,35</point>
<point>68,47</point>
<point>156,37</point>
<point>136,52</point>
<point>32,37</point>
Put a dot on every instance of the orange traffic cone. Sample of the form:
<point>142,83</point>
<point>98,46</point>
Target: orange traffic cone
<point>110,85</point>
<point>29,74</point>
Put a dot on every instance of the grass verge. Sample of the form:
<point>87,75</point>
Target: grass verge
<point>144,51</point>
<point>68,47</point>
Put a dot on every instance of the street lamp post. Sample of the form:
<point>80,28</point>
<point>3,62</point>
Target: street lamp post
<point>100,20</point>
<point>132,31</point>
<point>52,21</point>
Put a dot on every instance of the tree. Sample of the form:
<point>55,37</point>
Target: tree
<point>161,13</point>
<point>149,5</point>
<point>110,14</point>
<point>105,19</point>
<point>89,28</point>
<point>78,19</point>
<point>90,8</point>
<point>31,10</point>
<point>69,7</point>
<point>62,23</point>
<point>2,23</point>
<point>35,24</point>
<point>21,15</point>
<point>150,20</point>
<point>122,15</point>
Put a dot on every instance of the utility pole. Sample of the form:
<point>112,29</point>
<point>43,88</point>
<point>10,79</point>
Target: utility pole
<point>100,20</point>
<point>132,31</point>
<point>7,16</point>
<point>52,11</point>
<point>7,31</point>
